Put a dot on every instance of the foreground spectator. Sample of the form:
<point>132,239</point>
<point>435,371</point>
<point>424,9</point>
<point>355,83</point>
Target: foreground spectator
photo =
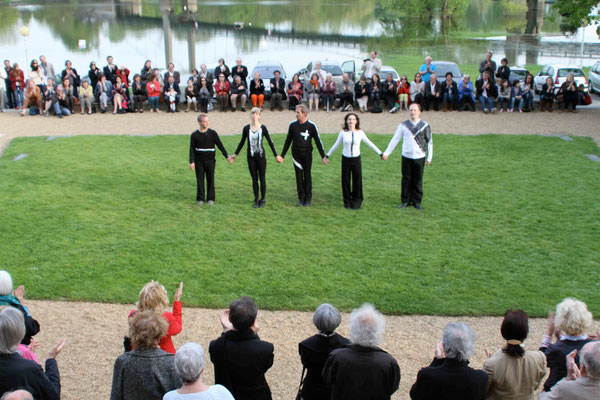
<point>277,84</point>
<point>449,375</point>
<point>579,384</point>
<point>153,297</point>
<point>16,300</point>
<point>17,395</point>
<point>17,372</point>
<point>33,95</point>
<point>572,319</point>
<point>295,92</point>
<point>189,365</point>
<point>146,372</point>
<point>240,358</point>
<point>487,91</point>
<point>361,370</point>
<point>315,350</point>
<point>514,373</point>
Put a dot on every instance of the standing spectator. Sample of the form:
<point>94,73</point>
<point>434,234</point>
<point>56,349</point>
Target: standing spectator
<point>238,93</point>
<point>104,92</point>
<point>449,91</point>
<point>8,84</point>
<point>146,71</point>
<point>204,95</point>
<point>110,70</point>
<point>47,69</point>
<point>390,92</point>
<point>191,96</point>
<point>32,95</point>
<point>329,93</point>
<point>3,79</point>
<point>513,372</point>
<point>504,70</point>
<point>71,74</point>
<point>570,94</point>
<point>433,93</point>
<point>547,95</point>
<point>362,91</point>
<point>528,92</point>
<point>171,72</point>
<point>36,74</point>
<point>94,74</point>
<point>172,93</point>
<point>427,69</point>
<point>153,90</point>
<point>449,375</point>
<point>277,84</point>
<point>222,68</point>
<point>516,96</point>
<point>159,78</point>
<point>417,90</point>
<point>209,76</point>
<point>465,94</point>
<point>313,90</point>
<point>486,92</point>
<point>222,89</point>
<point>240,70</point>
<point>240,357</point>
<point>17,82</point>
<point>362,370</point>
<point>140,93</point>
<point>295,92</point>
<point>488,65</point>
<point>322,75</point>
<point>86,96</point>
<point>371,66</point>
<point>61,103</point>
<point>346,93</point>
<point>257,91</point>
<point>315,350</point>
<point>16,300</point>
<point>376,89</point>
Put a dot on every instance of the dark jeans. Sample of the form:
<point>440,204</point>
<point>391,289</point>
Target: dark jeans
<point>467,100</point>
<point>276,99</point>
<point>412,180</point>
<point>390,100</point>
<point>352,192</point>
<point>293,102</point>
<point>429,100</point>
<point>420,99</point>
<point>571,98</point>
<point>328,101</point>
<point>346,99</point>
<point>205,168</point>
<point>138,101</point>
<point>302,166</point>
<point>258,167</point>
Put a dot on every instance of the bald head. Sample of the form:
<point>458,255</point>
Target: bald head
<point>590,360</point>
<point>17,395</point>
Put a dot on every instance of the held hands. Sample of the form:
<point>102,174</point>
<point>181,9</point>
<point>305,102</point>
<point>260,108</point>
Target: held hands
<point>230,159</point>
<point>384,157</point>
<point>225,322</point>
<point>325,160</point>
<point>279,159</point>
<point>427,163</point>
<point>178,292</point>
<point>55,351</point>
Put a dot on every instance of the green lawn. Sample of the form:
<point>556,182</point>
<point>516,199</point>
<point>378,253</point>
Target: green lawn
<point>509,221</point>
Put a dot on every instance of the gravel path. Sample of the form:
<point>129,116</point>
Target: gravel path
<point>584,123</point>
<point>94,333</point>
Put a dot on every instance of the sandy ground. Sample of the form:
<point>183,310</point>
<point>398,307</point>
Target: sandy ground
<point>584,123</point>
<point>94,333</point>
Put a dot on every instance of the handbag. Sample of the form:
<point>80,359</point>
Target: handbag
<point>299,395</point>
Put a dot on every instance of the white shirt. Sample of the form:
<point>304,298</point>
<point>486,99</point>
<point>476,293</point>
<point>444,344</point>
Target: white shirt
<point>351,142</point>
<point>410,148</point>
<point>322,75</point>
<point>216,392</point>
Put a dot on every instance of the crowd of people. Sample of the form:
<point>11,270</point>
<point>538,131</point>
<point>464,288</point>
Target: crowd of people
<point>225,88</point>
<point>334,367</point>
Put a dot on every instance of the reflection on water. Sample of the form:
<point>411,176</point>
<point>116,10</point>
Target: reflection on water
<point>190,32</point>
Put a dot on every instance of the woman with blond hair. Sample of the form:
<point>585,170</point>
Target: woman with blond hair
<point>153,297</point>
<point>570,325</point>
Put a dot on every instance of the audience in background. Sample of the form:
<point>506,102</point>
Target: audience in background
<point>547,95</point>
<point>488,65</point>
<point>433,93</point>
<point>362,91</point>
<point>528,92</point>
<point>86,96</point>
<point>390,92</point>
<point>16,299</point>
<point>417,90</point>
<point>346,93</point>
<point>426,69</point>
<point>487,91</point>
<point>257,91</point>
<point>277,84</point>
<point>313,90</point>
<point>94,74</point>
<point>375,96</point>
<point>449,91</point>
<point>328,92</point>
<point>238,93</point>
<point>295,91</point>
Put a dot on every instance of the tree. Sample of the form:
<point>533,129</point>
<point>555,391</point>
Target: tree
<point>577,13</point>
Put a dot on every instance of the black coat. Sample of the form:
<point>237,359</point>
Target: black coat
<point>556,359</point>
<point>242,72</point>
<point>19,373</point>
<point>358,90</point>
<point>280,88</point>
<point>32,327</point>
<point>445,90</point>
<point>241,360</point>
<point>492,90</point>
<point>314,352</point>
<point>355,372</point>
<point>437,88</point>
<point>449,379</point>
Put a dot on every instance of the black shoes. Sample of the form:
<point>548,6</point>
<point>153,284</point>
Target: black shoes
<point>403,205</point>
<point>418,206</point>
<point>261,203</point>
<point>415,205</point>
<point>255,204</point>
<point>300,203</point>
<point>307,203</point>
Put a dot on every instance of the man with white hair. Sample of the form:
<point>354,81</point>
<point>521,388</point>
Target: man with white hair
<point>361,370</point>
<point>17,395</point>
<point>427,69</point>
<point>581,384</point>
<point>449,376</point>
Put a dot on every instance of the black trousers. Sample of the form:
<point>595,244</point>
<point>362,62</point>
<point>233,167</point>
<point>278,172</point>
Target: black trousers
<point>412,180</point>
<point>466,99</point>
<point>302,166</point>
<point>276,99</point>
<point>352,192</point>
<point>430,99</point>
<point>571,98</point>
<point>205,168</point>
<point>293,102</point>
<point>258,167</point>
<point>390,100</point>
<point>346,99</point>
<point>420,98</point>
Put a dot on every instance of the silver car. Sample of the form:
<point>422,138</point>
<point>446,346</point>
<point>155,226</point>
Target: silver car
<point>594,78</point>
<point>267,70</point>
<point>443,67</point>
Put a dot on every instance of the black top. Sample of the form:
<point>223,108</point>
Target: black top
<point>241,360</point>
<point>436,88</point>
<point>556,359</point>
<point>445,89</point>
<point>240,71</point>
<point>110,73</point>
<point>19,373</point>
<point>278,87</point>
<point>503,72</point>
<point>314,352</point>
<point>389,88</point>
<point>449,379</point>
<point>168,85</point>
<point>94,74</point>
<point>139,88</point>
<point>257,88</point>
<point>238,88</point>
<point>255,144</point>
<point>300,135</point>
<point>492,89</point>
<point>193,92</point>
<point>362,90</point>
<point>32,327</point>
<point>225,71</point>
<point>202,145</point>
<point>358,372</point>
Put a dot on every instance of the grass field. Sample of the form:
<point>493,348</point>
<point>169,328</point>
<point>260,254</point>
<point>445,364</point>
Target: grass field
<point>509,221</point>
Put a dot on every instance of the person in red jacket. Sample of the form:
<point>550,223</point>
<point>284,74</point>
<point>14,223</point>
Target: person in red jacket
<point>222,90</point>
<point>153,88</point>
<point>153,297</point>
<point>17,83</point>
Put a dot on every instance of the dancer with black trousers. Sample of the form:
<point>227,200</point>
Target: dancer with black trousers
<point>300,134</point>
<point>351,135</point>
<point>202,159</point>
<point>257,162</point>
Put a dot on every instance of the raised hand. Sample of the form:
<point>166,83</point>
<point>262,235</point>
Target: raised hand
<point>19,293</point>
<point>178,292</point>
<point>439,350</point>
<point>55,351</point>
<point>572,368</point>
<point>33,345</point>
<point>225,322</point>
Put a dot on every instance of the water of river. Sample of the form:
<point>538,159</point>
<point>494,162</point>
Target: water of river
<point>191,32</point>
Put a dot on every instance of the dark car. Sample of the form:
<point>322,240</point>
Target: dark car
<point>443,67</point>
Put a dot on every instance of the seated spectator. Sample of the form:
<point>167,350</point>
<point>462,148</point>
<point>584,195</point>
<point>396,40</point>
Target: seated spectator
<point>295,92</point>
<point>465,94</point>
<point>48,94</point>
<point>222,89</point>
<point>570,95</point>
<point>71,74</point>
<point>313,90</point>
<point>486,92</point>
<point>513,372</point>
<point>172,93</point>
<point>118,95</point>
<point>361,370</point>
<point>204,95</point>
<point>504,95</point>
<point>528,92</point>
<point>189,365</point>
<point>153,297</point>
<point>222,68</point>
<point>240,358</point>
<point>153,88</point>
<point>328,91</point>
<point>70,92</point>
<point>376,90</point>
<point>191,96</point>
<point>86,96</point>
<point>504,70</point>
<point>362,91</point>
<point>17,372</point>
<point>390,92</point>
<point>572,319</point>
<point>579,384</point>
<point>277,84</point>
<point>346,93</point>
<point>16,299</point>
<point>61,103</point>
<point>104,92</point>
<point>547,95</point>
<point>403,95</point>
<point>17,395</point>
<point>238,93</point>
<point>449,375</point>
<point>94,74</point>
<point>147,372</point>
<point>433,93</point>
<point>315,350</point>
<point>139,93</point>
<point>516,96</point>
<point>208,75</point>
<point>257,91</point>
<point>426,70</point>
<point>33,95</point>
<point>195,78</point>
<point>449,91</point>
<point>417,90</point>
<point>321,74</point>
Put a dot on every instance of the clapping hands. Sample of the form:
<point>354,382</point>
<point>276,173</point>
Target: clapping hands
<point>225,322</point>
<point>19,293</point>
<point>178,292</point>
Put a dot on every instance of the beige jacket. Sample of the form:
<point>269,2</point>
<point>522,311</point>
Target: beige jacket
<point>584,388</point>
<point>515,378</point>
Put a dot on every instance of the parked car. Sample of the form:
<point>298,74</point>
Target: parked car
<point>594,78</point>
<point>518,73</point>
<point>385,70</point>
<point>559,74</point>
<point>332,67</point>
<point>443,67</point>
<point>266,70</point>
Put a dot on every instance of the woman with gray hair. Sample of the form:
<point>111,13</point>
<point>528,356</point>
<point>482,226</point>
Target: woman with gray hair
<point>17,372</point>
<point>15,299</point>
<point>189,365</point>
<point>315,350</point>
